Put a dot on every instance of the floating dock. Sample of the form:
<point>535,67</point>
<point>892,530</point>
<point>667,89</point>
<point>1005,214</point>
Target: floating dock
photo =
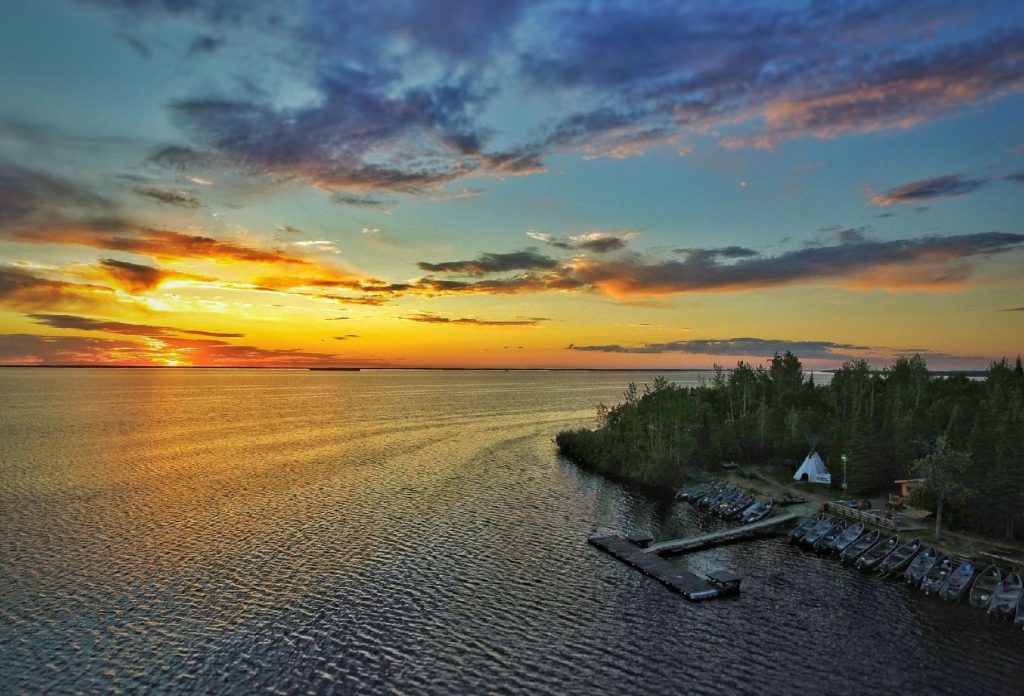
<point>723,536</point>
<point>691,586</point>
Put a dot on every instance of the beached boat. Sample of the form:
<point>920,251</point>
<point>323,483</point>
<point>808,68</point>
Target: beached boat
<point>855,550</point>
<point>817,531</point>
<point>725,501</point>
<point>1018,618</point>
<point>708,500</point>
<point>694,492</point>
<point>798,532</point>
<point>1007,596</point>
<point>736,507</point>
<point>791,500</point>
<point>876,554</point>
<point>757,511</point>
<point>937,575</point>
<point>825,542</point>
<point>984,587</point>
<point>723,497</point>
<point>920,566</point>
<point>849,535</point>
<point>899,559</point>
<point>958,581</point>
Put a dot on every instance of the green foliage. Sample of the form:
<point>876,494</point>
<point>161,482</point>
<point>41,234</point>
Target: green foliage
<point>887,422</point>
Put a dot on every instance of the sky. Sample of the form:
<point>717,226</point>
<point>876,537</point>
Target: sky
<point>510,184</point>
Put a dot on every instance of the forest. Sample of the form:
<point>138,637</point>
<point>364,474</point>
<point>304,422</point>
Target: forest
<point>964,435</point>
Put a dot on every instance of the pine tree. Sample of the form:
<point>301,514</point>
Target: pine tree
<point>943,470</point>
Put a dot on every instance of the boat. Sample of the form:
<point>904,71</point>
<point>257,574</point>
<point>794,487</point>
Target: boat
<point>817,531</point>
<point>936,576</point>
<point>720,495</point>
<point>694,492</point>
<point>736,507</point>
<point>920,566</point>
<point>899,559</point>
<point>798,532</point>
<point>958,581</point>
<point>791,500</point>
<point>855,550</point>
<point>1007,597</point>
<point>708,498</point>
<point>985,586</point>
<point>825,542</point>
<point>849,535</point>
<point>725,501</point>
<point>757,511</point>
<point>1018,618</point>
<point>874,556</point>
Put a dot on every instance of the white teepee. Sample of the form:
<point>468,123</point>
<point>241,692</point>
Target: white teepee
<point>813,470</point>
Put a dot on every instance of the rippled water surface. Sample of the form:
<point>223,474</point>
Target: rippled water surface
<point>225,531</point>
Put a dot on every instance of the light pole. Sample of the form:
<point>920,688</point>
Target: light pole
<point>843,457</point>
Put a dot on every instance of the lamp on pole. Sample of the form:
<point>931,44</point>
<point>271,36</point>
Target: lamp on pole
<point>843,457</point>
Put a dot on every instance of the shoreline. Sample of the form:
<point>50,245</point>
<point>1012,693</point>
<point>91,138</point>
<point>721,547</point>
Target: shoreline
<point>951,542</point>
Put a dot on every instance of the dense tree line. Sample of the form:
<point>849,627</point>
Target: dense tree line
<point>886,422</point>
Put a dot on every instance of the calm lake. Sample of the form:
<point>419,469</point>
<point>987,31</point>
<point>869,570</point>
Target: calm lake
<point>416,532</point>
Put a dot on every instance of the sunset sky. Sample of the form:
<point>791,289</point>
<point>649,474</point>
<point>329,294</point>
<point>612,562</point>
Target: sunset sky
<point>510,184</point>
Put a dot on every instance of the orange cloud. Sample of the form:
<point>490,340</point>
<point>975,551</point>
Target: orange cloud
<point>160,244</point>
<point>469,321</point>
<point>34,349</point>
<point>24,291</point>
<point>135,277</point>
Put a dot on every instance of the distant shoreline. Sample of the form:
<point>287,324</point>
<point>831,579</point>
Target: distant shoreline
<point>934,373</point>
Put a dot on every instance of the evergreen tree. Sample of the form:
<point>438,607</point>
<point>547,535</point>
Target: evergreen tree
<point>943,470</point>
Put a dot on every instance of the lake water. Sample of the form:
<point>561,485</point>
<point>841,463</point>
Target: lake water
<point>416,532</point>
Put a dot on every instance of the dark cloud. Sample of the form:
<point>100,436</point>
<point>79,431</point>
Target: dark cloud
<point>851,235</point>
<point>818,70</point>
<point>923,262</point>
<point>68,321</point>
<point>204,45</point>
<point>136,44</point>
<point>729,252</point>
<point>494,263</point>
<point>183,159</point>
<point>596,242</point>
<point>357,201</point>
<point>861,263</point>
<point>936,188</point>
<point>1015,177</point>
<point>26,291</point>
<point>178,197</point>
<point>289,229</point>
<point>135,277</point>
<point>435,319</point>
<point>120,235</point>
<point>602,245</point>
<point>780,70</point>
<point>736,346</point>
<point>1013,309</point>
<point>346,337</point>
<point>28,195</point>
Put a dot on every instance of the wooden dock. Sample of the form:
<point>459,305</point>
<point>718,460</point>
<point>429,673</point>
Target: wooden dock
<point>894,523</point>
<point>691,586</point>
<point>723,536</point>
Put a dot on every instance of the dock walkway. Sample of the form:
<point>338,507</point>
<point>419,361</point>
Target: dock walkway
<point>691,586</point>
<point>720,537</point>
<point>893,522</point>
